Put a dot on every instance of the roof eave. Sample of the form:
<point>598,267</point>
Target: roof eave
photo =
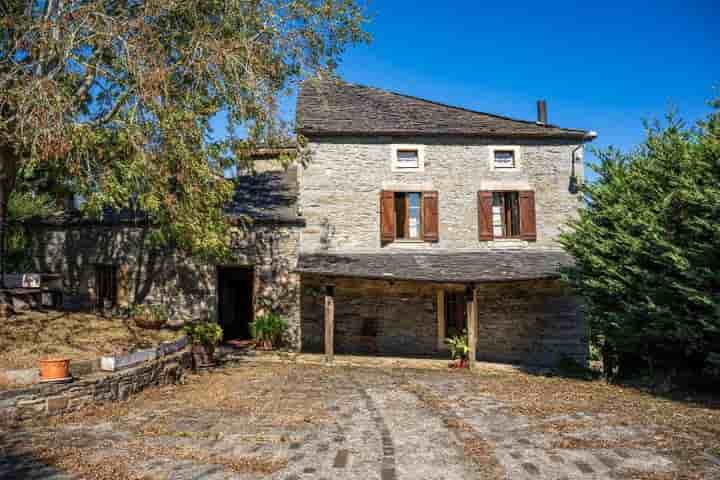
<point>579,135</point>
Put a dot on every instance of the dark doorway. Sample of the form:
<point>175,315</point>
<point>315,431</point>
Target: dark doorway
<point>455,314</point>
<point>105,286</point>
<point>235,301</point>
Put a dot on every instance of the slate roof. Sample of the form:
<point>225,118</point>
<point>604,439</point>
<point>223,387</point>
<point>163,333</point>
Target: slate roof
<point>268,197</point>
<point>471,267</point>
<point>334,107</point>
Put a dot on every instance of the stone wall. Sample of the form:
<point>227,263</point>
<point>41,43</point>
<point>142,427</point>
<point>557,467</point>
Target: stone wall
<point>532,323</point>
<point>43,400</point>
<point>340,189</point>
<point>150,275</point>
<point>397,318</point>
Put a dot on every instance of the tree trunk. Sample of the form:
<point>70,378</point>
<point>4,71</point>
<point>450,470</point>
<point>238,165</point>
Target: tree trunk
<point>9,163</point>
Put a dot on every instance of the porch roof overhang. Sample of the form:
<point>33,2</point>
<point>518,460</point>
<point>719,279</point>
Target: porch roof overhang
<point>437,267</point>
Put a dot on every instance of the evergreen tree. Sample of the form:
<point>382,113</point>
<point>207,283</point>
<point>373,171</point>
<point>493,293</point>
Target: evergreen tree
<point>647,250</point>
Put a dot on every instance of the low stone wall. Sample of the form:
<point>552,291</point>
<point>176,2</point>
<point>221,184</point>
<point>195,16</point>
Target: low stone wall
<point>43,400</point>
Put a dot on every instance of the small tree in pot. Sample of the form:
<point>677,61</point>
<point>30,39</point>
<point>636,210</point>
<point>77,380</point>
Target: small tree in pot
<point>268,330</point>
<point>204,337</point>
<point>459,349</point>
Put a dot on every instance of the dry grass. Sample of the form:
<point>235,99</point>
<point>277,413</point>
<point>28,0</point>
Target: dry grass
<point>681,428</point>
<point>26,338</point>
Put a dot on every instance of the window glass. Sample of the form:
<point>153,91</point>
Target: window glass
<point>408,159</point>
<point>413,215</point>
<point>504,159</point>
<point>408,215</point>
<point>506,214</point>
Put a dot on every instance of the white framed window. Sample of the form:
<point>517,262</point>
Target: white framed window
<point>504,158</point>
<point>407,158</point>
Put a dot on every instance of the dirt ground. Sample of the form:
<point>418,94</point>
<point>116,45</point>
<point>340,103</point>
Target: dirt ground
<point>27,337</point>
<point>287,420</point>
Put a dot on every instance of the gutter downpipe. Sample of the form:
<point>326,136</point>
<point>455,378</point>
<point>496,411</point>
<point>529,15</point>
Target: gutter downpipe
<point>574,187</point>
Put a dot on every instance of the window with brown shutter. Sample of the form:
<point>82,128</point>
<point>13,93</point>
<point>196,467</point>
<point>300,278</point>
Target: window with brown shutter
<point>485,214</point>
<point>387,216</point>
<point>505,214</point>
<point>431,223</point>
<point>528,229</point>
<point>409,216</point>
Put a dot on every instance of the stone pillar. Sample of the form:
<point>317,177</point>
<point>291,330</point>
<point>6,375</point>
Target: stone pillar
<point>471,304</point>
<point>329,323</point>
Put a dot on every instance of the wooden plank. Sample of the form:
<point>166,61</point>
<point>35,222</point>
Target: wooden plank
<point>528,230</point>
<point>472,328</point>
<point>329,323</point>
<point>387,216</point>
<point>485,222</point>
<point>430,220</point>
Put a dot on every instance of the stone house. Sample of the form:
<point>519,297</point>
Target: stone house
<point>412,222</point>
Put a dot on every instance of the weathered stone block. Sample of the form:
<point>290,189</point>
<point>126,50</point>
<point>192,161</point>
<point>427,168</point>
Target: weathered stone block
<point>57,405</point>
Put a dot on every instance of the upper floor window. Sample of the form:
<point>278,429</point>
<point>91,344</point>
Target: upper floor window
<point>504,157</point>
<point>506,214</point>
<point>407,158</point>
<point>408,216</point>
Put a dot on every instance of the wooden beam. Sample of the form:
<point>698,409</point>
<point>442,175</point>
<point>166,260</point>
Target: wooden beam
<point>471,299</point>
<point>329,323</point>
<point>441,320</point>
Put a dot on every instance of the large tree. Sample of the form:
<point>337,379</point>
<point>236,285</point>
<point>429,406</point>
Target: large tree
<point>116,97</point>
<point>648,250</point>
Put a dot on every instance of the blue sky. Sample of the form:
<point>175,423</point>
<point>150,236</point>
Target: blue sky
<point>601,66</point>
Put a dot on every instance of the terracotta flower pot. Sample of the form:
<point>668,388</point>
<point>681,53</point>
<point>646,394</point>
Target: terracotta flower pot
<point>55,369</point>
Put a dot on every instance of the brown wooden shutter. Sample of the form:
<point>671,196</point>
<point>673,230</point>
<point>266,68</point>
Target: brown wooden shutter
<point>387,216</point>
<point>527,216</point>
<point>485,221</point>
<point>431,224</point>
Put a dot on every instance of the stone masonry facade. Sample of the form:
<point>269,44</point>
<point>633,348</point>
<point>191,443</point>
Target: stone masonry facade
<point>340,189</point>
<point>186,286</point>
<point>534,323</point>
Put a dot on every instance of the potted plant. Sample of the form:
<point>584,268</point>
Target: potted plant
<point>204,337</point>
<point>459,350</point>
<point>153,316</point>
<point>268,330</point>
<point>55,370</point>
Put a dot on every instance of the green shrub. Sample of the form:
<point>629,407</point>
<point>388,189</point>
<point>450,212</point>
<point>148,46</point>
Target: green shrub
<point>269,328</point>
<point>647,250</point>
<point>203,333</point>
<point>569,367</point>
<point>458,345</point>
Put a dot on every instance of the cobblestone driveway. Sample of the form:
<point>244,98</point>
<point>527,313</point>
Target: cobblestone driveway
<point>286,421</point>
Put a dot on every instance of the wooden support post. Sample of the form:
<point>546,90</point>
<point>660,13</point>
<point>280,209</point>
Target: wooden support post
<point>471,304</point>
<point>329,323</point>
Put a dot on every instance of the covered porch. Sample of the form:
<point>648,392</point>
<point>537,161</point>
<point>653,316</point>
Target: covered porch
<point>406,304</point>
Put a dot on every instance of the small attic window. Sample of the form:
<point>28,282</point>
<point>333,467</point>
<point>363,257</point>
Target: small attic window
<point>504,159</point>
<point>407,158</point>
